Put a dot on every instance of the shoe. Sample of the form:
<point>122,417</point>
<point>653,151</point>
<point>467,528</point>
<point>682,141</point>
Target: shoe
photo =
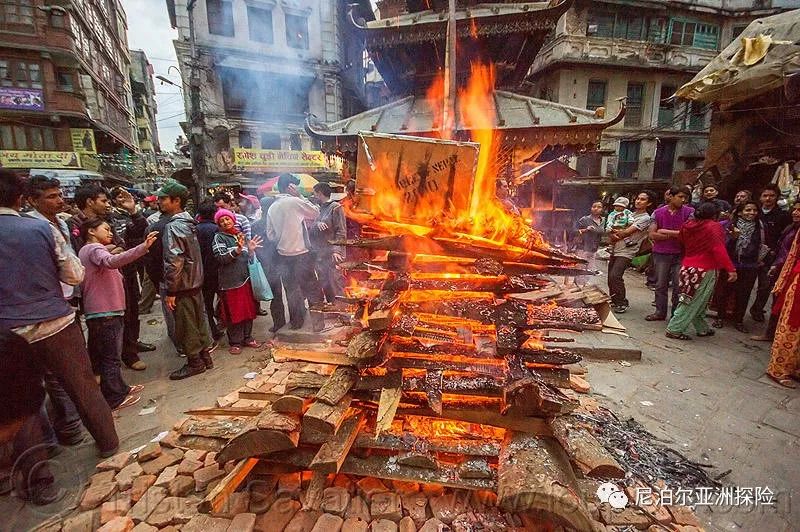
<point>710,332</point>
<point>187,371</point>
<point>786,383</point>
<point>136,388</point>
<point>144,347</point>
<point>655,317</point>
<point>676,336</point>
<point>757,316</point>
<point>70,440</point>
<point>205,356</point>
<point>130,400</point>
<point>235,350</point>
<point>138,366</point>
<point>741,328</point>
<point>761,338</point>
<point>620,309</point>
<point>214,345</point>
<point>108,453</point>
<point>43,493</point>
<point>252,343</point>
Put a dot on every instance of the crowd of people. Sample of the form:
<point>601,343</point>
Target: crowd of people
<point>99,264</point>
<point>712,255</point>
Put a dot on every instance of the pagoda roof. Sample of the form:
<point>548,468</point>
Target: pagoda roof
<point>519,120</point>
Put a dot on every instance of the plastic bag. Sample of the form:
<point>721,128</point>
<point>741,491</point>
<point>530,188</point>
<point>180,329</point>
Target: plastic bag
<point>258,281</point>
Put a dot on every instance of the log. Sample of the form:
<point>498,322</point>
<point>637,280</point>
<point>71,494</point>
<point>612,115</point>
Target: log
<point>337,386</point>
<point>433,387</point>
<point>584,450</point>
<point>224,428</point>
<point>284,354</point>
<point>532,397</point>
<point>475,468</point>
<point>265,433</point>
<point>324,418</point>
<point>418,459</point>
<point>316,487</point>
<point>291,404</point>
<point>469,282</point>
<point>364,346</point>
<point>217,497</point>
<point>387,407</point>
<point>304,379</point>
<point>534,474</point>
<point>333,452</point>
<point>228,411</point>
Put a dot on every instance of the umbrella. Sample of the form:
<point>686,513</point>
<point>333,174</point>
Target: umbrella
<point>307,182</point>
<point>267,186</point>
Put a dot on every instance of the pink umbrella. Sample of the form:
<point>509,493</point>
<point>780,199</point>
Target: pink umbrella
<point>267,186</point>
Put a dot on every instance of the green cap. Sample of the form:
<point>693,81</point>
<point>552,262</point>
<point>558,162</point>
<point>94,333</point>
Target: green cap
<point>173,189</point>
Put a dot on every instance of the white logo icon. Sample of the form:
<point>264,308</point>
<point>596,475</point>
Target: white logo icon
<point>613,495</point>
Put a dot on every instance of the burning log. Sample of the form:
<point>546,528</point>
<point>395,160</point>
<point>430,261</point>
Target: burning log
<point>387,408</point>
<point>337,386</point>
<point>365,346</point>
<point>584,450</point>
<point>500,284</point>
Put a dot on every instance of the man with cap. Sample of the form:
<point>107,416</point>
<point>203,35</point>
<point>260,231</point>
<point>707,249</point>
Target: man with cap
<point>286,227</point>
<point>182,281</point>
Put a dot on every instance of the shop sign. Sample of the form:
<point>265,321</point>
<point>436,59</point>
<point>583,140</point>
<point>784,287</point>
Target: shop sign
<point>245,159</point>
<point>39,159</point>
<point>82,140</point>
<point>21,99</point>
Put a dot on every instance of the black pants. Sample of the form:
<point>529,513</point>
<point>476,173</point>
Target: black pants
<point>268,257</point>
<point>105,344</point>
<point>241,332</point>
<point>666,267</point>
<point>209,293</point>
<point>739,292</point>
<point>130,335</point>
<point>331,280</point>
<point>64,416</point>
<point>616,283</point>
<point>300,281</point>
<point>765,284</point>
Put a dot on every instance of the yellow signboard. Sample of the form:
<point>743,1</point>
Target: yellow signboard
<point>82,140</point>
<point>90,162</point>
<point>245,159</point>
<point>39,159</point>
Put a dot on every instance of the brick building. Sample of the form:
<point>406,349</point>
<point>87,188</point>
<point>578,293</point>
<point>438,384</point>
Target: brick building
<point>145,109</point>
<point>65,97</point>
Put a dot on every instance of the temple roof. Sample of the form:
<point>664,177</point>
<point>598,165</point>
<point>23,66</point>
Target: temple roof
<point>520,120</point>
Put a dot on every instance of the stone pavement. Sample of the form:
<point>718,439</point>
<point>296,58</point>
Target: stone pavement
<point>711,401</point>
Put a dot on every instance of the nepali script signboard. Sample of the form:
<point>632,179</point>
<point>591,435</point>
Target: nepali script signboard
<point>21,99</point>
<point>414,179</point>
<point>39,159</point>
<point>250,160</point>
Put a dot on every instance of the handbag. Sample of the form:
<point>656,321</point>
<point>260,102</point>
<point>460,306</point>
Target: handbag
<point>258,281</point>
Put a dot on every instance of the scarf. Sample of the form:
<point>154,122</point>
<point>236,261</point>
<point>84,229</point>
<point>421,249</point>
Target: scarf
<point>746,231</point>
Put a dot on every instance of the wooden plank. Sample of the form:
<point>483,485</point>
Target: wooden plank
<point>337,385</point>
<point>231,411</point>
<point>324,418</point>
<point>387,407</point>
<point>291,404</point>
<point>333,452</point>
<point>305,379</point>
<point>313,494</point>
<point>225,428</point>
<point>267,432</point>
<point>283,354</point>
<point>584,450</point>
<point>217,497</point>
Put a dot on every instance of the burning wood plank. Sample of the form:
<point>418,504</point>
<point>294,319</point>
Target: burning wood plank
<point>584,450</point>
<point>387,408</point>
<point>337,386</point>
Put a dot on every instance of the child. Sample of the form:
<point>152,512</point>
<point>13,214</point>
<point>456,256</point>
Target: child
<point>620,218</point>
<point>104,305</point>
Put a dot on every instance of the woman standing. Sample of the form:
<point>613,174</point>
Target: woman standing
<point>745,238</point>
<point>238,307</point>
<point>784,365</point>
<point>590,230</point>
<point>704,253</point>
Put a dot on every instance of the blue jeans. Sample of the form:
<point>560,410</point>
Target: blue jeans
<point>666,267</point>
<point>105,351</point>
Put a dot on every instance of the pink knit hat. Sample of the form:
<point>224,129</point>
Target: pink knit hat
<point>223,212</point>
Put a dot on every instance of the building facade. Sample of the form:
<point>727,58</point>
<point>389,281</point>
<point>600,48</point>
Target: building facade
<point>264,64</point>
<point>65,96</point>
<point>143,93</point>
<point>640,51</point>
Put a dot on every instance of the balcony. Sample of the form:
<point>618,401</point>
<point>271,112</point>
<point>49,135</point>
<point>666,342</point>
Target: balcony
<point>621,52</point>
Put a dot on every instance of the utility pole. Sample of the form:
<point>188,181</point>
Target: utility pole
<point>449,99</point>
<point>197,129</point>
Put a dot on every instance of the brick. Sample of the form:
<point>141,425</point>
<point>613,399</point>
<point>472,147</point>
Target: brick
<point>166,459</point>
<point>124,478</point>
<point>151,498</point>
<point>335,500</point>
<point>118,524</point>
<point>189,466</point>
<point>625,517</point>
<point>354,524</point>
<point>180,486</point>
<point>446,507</point>
<point>195,454</point>
<point>243,523</point>
<point>83,522</point>
<point>289,483</point>
<point>169,512</point>
<point>140,485</point>
<point>383,525</point>
<point>144,527</point>
<point>237,502</point>
<point>262,495</point>
<point>358,508</point>
<point>210,459</point>
<point>328,523</point>
<point>96,494</point>
<point>683,516</point>
<point>166,476</point>
<point>206,523</point>
<point>278,516</point>
<point>416,506</point>
<point>150,451</point>
<point>432,525</point>
<point>303,521</point>
<point>386,506</point>
<point>407,525</point>
<point>116,462</point>
<point>116,508</point>
<point>369,486</point>
<point>204,477</point>
<point>402,487</point>
<point>103,476</point>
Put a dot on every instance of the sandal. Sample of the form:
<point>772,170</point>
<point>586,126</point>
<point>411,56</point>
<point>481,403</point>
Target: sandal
<point>786,383</point>
<point>655,317</point>
<point>717,323</point>
<point>252,343</point>
<point>741,328</point>
<point>676,336</point>
<point>235,350</point>
<point>710,332</point>
<point>129,401</point>
<point>136,388</point>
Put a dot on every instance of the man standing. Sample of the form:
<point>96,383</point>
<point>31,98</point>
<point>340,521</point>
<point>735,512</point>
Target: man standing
<point>774,221</point>
<point>330,225</point>
<point>37,324</point>
<point>625,244</point>
<point>206,230</point>
<point>286,221</point>
<point>710,194</point>
<point>154,268</point>
<point>590,230</point>
<point>183,281</point>
<point>667,249</point>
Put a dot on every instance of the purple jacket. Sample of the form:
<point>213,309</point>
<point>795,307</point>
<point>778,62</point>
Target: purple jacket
<point>785,245</point>
<point>102,288</point>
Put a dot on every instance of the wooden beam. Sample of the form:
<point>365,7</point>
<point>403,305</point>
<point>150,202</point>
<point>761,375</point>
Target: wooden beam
<point>333,452</point>
<point>337,385</point>
<point>387,407</point>
<point>216,498</point>
<point>284,354</point>
<point>265,433</point>
<point>324,418</point>
<point>584,450</point>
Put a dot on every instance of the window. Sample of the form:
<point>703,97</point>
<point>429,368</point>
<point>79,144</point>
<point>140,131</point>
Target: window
<point>738,30</point>
<point>696,34</point>
<point>625,26</point>
<point>64,80</point>
<point>297,31</point>
<point>57,19</point>
<point>20,74</point>
<point>259,21</point>
<point>220,17</point>
<point>244,139</point>
<point>665,159</point>
<point>295,143</point>
<point>258,95</point>
<point>628,163</point>
<point>270,141</point>
<point>697,116</point>
<point>26,138</point>
<point>596,95</point>
<point>633,104</point>
<point>16,15</point>
<point>666,107</point>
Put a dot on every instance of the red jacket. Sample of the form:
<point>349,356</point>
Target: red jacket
<point>704,246</point>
